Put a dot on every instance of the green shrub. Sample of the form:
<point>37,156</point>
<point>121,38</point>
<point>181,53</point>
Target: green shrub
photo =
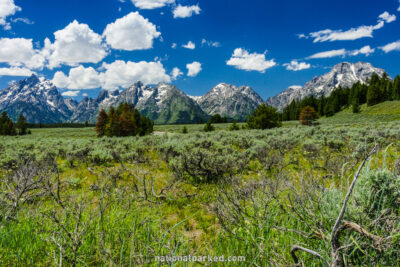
<point>184,130</point>
<point>208,127</point>
<point>234,127</point>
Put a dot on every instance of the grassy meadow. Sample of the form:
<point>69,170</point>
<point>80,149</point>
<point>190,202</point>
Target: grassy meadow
<point>68,198</point>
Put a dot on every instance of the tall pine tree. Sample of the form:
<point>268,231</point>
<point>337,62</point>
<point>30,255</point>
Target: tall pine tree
<point>396,88</point>
<point>22,126</point>
<point>102,121</point>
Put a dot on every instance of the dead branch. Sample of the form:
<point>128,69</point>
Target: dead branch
<point>378,241</point>
<point>296,259</point>
<point>336,257</point>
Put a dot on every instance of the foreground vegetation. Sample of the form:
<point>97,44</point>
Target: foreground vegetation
<point>70,198</point>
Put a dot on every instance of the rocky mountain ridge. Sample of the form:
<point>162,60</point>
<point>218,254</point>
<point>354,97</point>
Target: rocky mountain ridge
<point>343,74</point>
<point>41,102</point>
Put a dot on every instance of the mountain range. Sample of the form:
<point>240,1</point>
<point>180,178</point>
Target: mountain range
<point>343,74</point>
<point>40,101</point>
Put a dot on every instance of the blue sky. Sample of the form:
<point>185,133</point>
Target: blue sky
<point>84,45</point>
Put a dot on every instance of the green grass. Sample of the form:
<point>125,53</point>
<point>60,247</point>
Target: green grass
<point>140,221</point>
<point>382,112</point>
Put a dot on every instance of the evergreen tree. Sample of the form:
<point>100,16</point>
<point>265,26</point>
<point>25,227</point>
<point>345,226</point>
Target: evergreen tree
<point>321,105</point>
<point>396,88</point>
<point>264,117</point>
<point>7,127</point>
<point>389,91</point>
<point>22,126</point>
<point>356,105</point>
<point>308,115</point>
<point>113,127</point>
<point>102,121</point>
<point>11,128</point>
<point>218,119</point>
<point>126,120</point>
<point>373,95</point>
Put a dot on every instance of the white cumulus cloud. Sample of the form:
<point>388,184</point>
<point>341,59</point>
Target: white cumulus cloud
<point>242,59</point>
<point>78,78</point>
<point>132,32</point>
<point>16,71</point>
<point>112,76</point>
<point>123,74</point>
<point>385,16</point>
<point>193,68</point>
<point>19,52</point>
<point>74,44</point>
<point>294,65</point>
<point>70,93</point>
<point>176,73</point>
<point>7,8</point>
<point>186,11</point>
<point>190,45</point>
<point>351,34</point>
<point>395,46</point>
<point>151,4</point>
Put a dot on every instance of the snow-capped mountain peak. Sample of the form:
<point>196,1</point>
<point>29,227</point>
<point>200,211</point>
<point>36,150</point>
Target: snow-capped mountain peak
<point>343,74</point>
<point>231,101</point>
<point>37,99</point>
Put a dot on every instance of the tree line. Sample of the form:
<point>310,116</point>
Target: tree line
<point>61,125</point>
<point>8,127</point>
<point>125,120</point>
<point>375,91</point>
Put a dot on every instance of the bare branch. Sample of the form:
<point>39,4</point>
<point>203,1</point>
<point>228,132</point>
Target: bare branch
<point>312,252</point>
<point>349,192</point>
<point>336,255</point>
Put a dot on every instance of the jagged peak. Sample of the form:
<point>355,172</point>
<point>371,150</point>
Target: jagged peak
<point>33,79</point>
<point>348,65</point>
<point>223,85</point>
<point>138,84</point>
<point>164,84</point>
<point>102,95</point>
